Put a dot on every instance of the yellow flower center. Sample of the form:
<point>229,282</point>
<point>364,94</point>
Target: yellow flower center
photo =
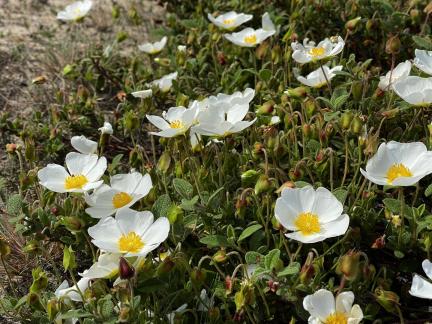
<point>397,170</point>
<point>130,243</point>
<point>316,51</point>
<point>336,318</point>
<point>251,39</point>
<point>228,21</point>
<point>176,124</point>
<point>75,182</point>
<point>307,223</point>
<point>121,199</point>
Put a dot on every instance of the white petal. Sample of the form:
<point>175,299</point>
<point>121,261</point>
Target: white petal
<point>83,145</point>
<point>427,268</point>
<point>80,164</point>
<point>421,287</point>
<point>321,304</point>
<point>344,302</point>
<point>53,177</point>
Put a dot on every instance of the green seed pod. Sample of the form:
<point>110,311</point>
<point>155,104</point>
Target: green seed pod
<point>165,267</point>
<point>266,108</point>
<point>249,177</point>
<point>387,299</point>
<point>52,309</point>
<point>310,107</point>
<point>345,120</point>
<point>357,90</point>
<point>276,54</point>
<point>182,100</point>
<point>348,265</point>
<point>393,45</point>
<point>356,125</point>
<point>164,162</point>
<point>263,185</point>
<point>297,93</point>
<point>130,120</point>
<point>162,61</point>
<point>261,50</point>
<point>198,276</point>
<point>5,249</point>
<point>40,280</point>
<point>220,256</point>
<point>73,223</point>
<point>351,24</point>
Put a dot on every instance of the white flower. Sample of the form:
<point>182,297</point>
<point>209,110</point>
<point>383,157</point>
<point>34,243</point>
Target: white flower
<point>181,48</point>
<point>223,114</point>
<point>219,123</point>
<point>250,37</point>
<point>75,11</point>
<point>421,287</point>
<point>143,94</point>
<point>312,215</point>
<point>125,190</point>
<point>72,292</point>
<point>205,302</point>
<point>83,145</point>
<point>82,174</point>
<point>399,164</point>
<point>401,71</point>
<point>324,308</point>
<point>229,20</point>
<point>317,78</point>
<point>107,266</point>
<point>131,233</point>
<point>106,128</point>
<point>176,121</point>
<point>165,83</point>
<point>415,90</point>
<point>171,316</point>
<point>423,60</point>
<point>153,48</point>
<point>309,52</point>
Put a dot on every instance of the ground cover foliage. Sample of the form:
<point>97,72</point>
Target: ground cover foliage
<point>255,206</point>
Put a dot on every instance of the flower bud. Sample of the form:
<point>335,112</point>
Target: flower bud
<point>198,276</point>
<point>273,286</point>
<point>387,299</point>
<point>5,249</point>
<point>266,108</point>
<point>357,90</point>
<point>130,120</point>
<point>310,107</point>
<point>261,50</point>
<point>351,24</point>
<point>52,309</point>
<point>276,54</point>
<point>345,120</point>
<point>356,125</point>
<point>40,280</point>
<point>11,148</point>
<point>162,61</point>
<point>371,24</point>
<point>249,177</point>
<point>393,45</point>
<point>126,270</point>
<point>263,185</point>
<point>165,267</point>
<point>220,256</point>
<point>297,93</point>
<point>164,162</point>
<point>348,264</point>
<point>73,223</point>
<point>379,243</point>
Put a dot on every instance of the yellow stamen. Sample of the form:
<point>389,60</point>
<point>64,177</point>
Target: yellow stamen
<point>75,182</point>
<point>176,124</point>
<point>316,51</point>
<point>121,199</point>
<point>130,243</point>
<point>228,21</point>
<point>397,170</point>
<point>251,39</point>
<point>307,223</point>
<point>336,318</point>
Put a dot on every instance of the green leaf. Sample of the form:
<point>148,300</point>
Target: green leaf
<point>253,257</point>
<point>423,42</point>
<point>265,75</point>
<point>75,313</point>
<point>428,190</point>
<point>301,184</point>
<point>162,205</point>
<point>115,162</point>
<point>399,254</point>
<point>292,269</point>
<point>214,241</point>
<point>183,188</point>
<point>68,258</point>
<point>249,231</point>
<point>189,204</point>
<point>151,285</point>
<point>271,259</point>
